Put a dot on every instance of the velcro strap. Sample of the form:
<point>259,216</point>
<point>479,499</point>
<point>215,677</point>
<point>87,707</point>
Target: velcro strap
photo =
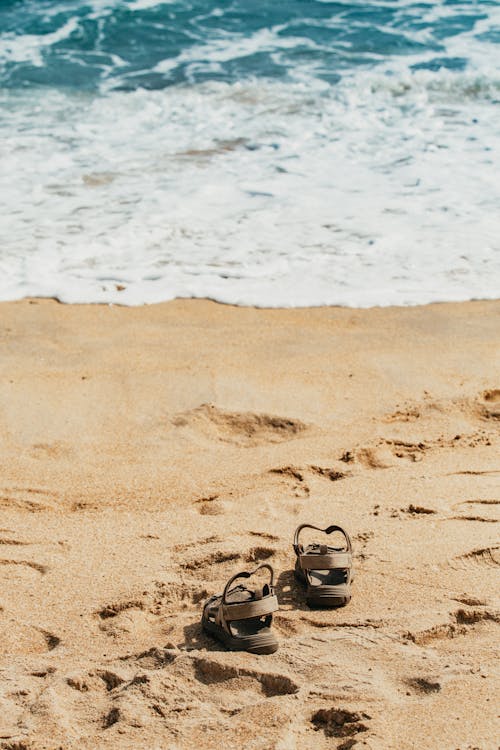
<point>256,608</point>
<point>326,562</point>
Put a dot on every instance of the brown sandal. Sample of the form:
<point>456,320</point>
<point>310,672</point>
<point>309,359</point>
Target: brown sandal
<point>241,618</point>
<point>325,571</point>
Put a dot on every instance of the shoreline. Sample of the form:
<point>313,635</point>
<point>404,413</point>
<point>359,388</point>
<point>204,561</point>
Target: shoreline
<point>37,299</point>
<point>148,453</point>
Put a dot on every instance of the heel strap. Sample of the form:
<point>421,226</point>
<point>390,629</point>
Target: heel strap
<point>299,550</point>
<point>246,574</point>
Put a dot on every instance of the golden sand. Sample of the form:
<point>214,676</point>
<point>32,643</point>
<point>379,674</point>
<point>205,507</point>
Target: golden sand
<point>147,454</point>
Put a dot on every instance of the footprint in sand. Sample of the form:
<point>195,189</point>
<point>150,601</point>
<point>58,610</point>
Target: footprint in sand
<point>132,625</point>
<point>186,696</point>
<point>296,476</point>
<point>485,557</point>
<point>142,621</point>
<point>460,623</point>
<point>269,684</point>
<point>240,428</point>
<point>386,453</point>
<point>148,696</point>
<point>287,481</point>
<point>129,621</point>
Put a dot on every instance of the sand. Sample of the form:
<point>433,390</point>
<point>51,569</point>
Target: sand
<point>147,454</point>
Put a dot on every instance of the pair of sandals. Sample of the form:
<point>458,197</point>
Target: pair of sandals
<point>241,617</point>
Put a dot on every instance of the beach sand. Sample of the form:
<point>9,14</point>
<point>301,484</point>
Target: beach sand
<point>147,454</point>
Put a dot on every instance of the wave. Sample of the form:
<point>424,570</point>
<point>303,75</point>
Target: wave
<point>260,193</point>
<point>100,45</point>
<point>275,154</point>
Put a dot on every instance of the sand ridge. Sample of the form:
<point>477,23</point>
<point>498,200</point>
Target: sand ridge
<point>148,454</point>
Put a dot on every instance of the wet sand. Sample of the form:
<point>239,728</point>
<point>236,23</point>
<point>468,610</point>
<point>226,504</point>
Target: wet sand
<point>147,454</point>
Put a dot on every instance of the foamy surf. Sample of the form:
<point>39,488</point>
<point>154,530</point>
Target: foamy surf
<point>352,184</point>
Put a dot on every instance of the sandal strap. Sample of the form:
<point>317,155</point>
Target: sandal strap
<point>299,550</point>
<point>246,610</point>
<point>246,574</point>
<point>265,605</point>
<point>330,561</point>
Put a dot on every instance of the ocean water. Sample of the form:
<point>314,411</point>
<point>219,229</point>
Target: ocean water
<point>260,152</point>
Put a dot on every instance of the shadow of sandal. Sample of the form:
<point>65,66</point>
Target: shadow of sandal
<point>196,639</point>
<point>290,593</point>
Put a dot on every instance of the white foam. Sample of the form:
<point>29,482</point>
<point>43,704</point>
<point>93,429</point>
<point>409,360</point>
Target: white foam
<point>29,47</point>
<point>231,47</point>
<point>145,4</point>
<point>383,190</point>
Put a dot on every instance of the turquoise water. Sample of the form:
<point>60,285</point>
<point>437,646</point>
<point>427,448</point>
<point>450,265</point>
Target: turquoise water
<point>270,153</point>
<point>152,45</point>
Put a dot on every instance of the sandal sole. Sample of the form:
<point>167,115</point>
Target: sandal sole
<point>319,600</point>
<point>330,602</point>
<point>252,646</point>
